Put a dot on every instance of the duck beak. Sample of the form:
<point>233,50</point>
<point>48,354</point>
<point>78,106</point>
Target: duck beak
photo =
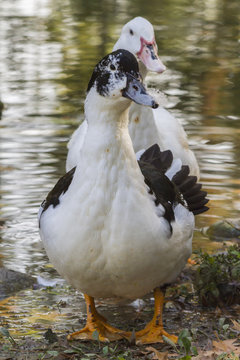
<point>136,91</point>
<point>149,56</point>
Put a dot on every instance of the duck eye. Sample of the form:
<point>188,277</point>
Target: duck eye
<point>112,67</point>
<point>131,32</point>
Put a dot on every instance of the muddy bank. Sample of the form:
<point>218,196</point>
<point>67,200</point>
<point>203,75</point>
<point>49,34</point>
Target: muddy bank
<point>13,281</point>
<point>27,316</point>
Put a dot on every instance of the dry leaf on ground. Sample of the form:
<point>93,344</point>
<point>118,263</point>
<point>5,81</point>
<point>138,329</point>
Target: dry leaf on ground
<point>213,356</point>
<point>227,346</point>
<point>236,325</point>
<point>205,355</point>
<point>157,354</point>
<point>219,347</point>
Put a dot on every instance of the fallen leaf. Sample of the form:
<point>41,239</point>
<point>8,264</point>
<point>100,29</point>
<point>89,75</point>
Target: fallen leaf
<point>226,346</point>
<point>236,325</point>
<point>158,355</point>
<point>205,355</point>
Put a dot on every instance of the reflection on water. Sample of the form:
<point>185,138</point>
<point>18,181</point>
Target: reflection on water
<point>48,50</point>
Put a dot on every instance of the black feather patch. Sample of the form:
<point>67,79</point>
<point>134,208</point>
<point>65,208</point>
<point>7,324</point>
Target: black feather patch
<point>161,186</point>
<point>60,188</point>
<point>160,159</point>
<point>153,164</point>
<point>182,189</point>
<point>191,191</point>
<point>181,175</point>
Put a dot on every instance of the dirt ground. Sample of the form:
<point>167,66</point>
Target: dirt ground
<point>34,325</point>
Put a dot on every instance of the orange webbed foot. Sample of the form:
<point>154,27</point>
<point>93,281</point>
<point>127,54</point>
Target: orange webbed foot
<point>97,327</point>
<point>153,332</point>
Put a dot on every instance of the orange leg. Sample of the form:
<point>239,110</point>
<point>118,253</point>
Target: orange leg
<point>97,323</point>
<point>153,331</point>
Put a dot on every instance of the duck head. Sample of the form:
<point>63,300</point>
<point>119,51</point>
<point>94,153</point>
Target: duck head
<point>137,36</point>
<point>117,76</point>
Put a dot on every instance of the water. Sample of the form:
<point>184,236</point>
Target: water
<point>47,52</point>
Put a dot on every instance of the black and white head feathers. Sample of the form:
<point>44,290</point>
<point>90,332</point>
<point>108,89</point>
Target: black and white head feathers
<point>117,75</point>
<point>111,69</point>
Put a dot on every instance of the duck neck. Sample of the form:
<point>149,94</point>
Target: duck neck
<point>107,124</point>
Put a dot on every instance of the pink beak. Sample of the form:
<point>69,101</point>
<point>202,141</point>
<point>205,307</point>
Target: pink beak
<point>149,56</point>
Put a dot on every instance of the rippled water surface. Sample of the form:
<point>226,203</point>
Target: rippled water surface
<point>47,53</point>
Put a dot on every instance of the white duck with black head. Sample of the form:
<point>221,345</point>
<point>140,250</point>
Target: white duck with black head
<point>113,226</point>
<point>146,127</point>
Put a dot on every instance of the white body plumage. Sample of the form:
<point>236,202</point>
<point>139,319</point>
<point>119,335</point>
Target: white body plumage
<point>106,236</point>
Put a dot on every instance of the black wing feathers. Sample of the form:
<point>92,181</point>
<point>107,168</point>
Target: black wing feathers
<point>153,164</point>
<point>182,175</point>
<point>183,187</point>
<point>160,159</point>
<point>161,186</point>
<point>191,191</point>
<point>60,188</point>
